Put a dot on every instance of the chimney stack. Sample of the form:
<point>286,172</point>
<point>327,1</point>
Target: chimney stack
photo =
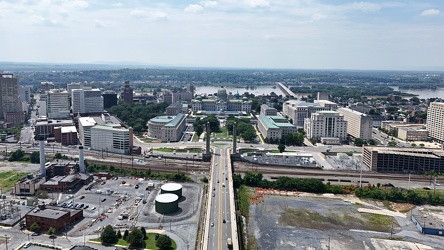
<point>81,160</point>
<point>42,156</point>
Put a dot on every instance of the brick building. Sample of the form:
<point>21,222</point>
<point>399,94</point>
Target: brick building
<point>56,217</point>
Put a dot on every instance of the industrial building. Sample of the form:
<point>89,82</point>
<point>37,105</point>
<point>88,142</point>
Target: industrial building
<point>55,217</point>
<point>359,125</point>
<point>28,185</point>
<point>326,126</point>
<point>167,128</point>
<point>275,127</point>
<point>435,121</point>
<point>427,221</point>
<point>403,160</point>
<point>297,111</point>
<point>105,133</point>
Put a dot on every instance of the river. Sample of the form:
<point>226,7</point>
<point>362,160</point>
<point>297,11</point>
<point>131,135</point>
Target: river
<point>423,93</point>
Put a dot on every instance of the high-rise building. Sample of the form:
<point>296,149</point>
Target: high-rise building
<point>46,86</point>
<point>25,94</point>
<point>9,94</point>
<point>87,101</point>
<point>127,94</point>
<point>57,104</point>
<point>109,99</point>
<point>359,125</point>
<point>299,110</point>
<point>74,85</point>
<point>435,121</point>
<point>326,124</point>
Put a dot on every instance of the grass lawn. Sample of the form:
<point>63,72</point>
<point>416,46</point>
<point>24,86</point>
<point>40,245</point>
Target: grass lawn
<point>195,138</point>
<point>166,150</point>
<point>9,178</point>
<point>150,243</point>
<point>221,134</point>
<point>276,151</point>
<point>179,150</point>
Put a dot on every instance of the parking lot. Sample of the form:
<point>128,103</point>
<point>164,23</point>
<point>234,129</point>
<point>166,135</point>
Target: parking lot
<point>104,202</point>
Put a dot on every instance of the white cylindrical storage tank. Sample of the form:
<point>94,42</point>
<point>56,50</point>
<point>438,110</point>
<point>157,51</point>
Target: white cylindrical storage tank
<point>171,188</point>
<point>167,203</point>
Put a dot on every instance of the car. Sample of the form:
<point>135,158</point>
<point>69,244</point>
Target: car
<point>226,178</point>
<point>136,186</point>
<point>214,195</point>
<point>81,205</point>
<point>123,182</point>
<point>217,181</point>
<point>223,184</point>
<point>224,221</point>
<point>93,208</point>
<point>85,207</point>
<point>27,244</point>
<point>212,224</point>
<point>104,199</point>
<point>81,197</point>
<point>35,234</point>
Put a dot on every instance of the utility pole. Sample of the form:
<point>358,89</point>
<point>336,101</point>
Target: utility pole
<point>6,240</point>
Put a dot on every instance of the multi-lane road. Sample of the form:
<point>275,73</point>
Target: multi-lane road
<point>219,211</point>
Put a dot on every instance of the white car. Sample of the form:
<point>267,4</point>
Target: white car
<point>27,244</point>
<point>93,208</point>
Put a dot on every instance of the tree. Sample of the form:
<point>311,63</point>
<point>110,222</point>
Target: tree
<point>125,235</point>
<point>108,235</point>
<point>392,144</point>
<point>281,148</point>
<point>34,157</point>
<point>163,242</point>
<point>135,238</point>
<point>58,156</point>
<point>51,231</point>
<point>142,229</point>
<point>16,155</point>
<point>119,234</point>
<point>35,227</point>
<point>359,142</point>
<point>249,135</point>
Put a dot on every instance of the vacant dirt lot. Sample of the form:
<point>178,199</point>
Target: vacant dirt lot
<point>305,222</point>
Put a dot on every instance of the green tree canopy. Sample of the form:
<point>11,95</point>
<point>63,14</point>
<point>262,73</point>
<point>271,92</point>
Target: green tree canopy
<point>34,157</point>
<point>135,238</point>
<point>35,227</point>
<point>281,148</point>
<point>163,242</point>
<point>108,235</point>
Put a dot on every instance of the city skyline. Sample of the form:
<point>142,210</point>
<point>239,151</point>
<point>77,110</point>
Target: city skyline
<point>305,34</point>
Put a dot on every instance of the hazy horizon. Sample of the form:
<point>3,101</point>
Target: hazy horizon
<point>237,34</point>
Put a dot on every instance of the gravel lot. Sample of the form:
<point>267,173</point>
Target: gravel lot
<point>286,222</point>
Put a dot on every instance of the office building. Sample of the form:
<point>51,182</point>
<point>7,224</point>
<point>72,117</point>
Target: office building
<point>268,111</point>
<point>9,95</point>
<point>167,128</point>
<point>87,101</point>
<point>359,125</point>
<point>25,94</point>
<point>326,126</point>
<point>403,160</point>
<point>174,109</point>
<point>297,111</point>
<point>435,121</point>
<point>413,134</point>
<point>322,96</point>
<point>127,94</point>
<point>57,104</point>
<point>66,135</point>
<point>74,85</point>
<point>46,128</point>
<point>109,99</point>
<point>274,127</point>
<point>105,133</point>
<point>46,86</point>
<point>55,217</point>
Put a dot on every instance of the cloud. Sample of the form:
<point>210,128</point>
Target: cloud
<point>39,20</point>
<point>154,15</point>
<point>208,4</point>
<point>430,12</point>
<point>256,3</point>
<point>80,4</point>
<point>193,8</point>
<point>99,24</point>
<point>117,4</point>
<point>138,13</point>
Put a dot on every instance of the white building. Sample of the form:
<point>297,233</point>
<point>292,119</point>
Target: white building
<point>167,128</point>
<point>275,127</point>
<point>435,121</point>
<point>57,104</point>
<point>267,110</point>
<point>326,124</point>
<point>299,110</point>
<point>87,101</point>
<point>359,125</point>
<point>25,94</point>
<point>74,85</point>
<point>105,133</point>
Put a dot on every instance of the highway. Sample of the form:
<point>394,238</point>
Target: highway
<point>220,214</point>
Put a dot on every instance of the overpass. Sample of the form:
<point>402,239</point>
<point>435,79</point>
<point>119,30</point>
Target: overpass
<point>286,90</point>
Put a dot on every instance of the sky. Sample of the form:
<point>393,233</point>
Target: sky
<point>288,34</point>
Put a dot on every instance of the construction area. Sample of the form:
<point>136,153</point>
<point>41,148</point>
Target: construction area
<point>289,220</point>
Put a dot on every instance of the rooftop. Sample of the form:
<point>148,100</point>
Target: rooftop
<point>423,152</point>
<point>176,120</point>
<point>275,121</point>
<point>49,213</point>
<point>69,129</point>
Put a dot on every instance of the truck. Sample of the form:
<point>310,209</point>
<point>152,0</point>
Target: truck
<point>229,243</point>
